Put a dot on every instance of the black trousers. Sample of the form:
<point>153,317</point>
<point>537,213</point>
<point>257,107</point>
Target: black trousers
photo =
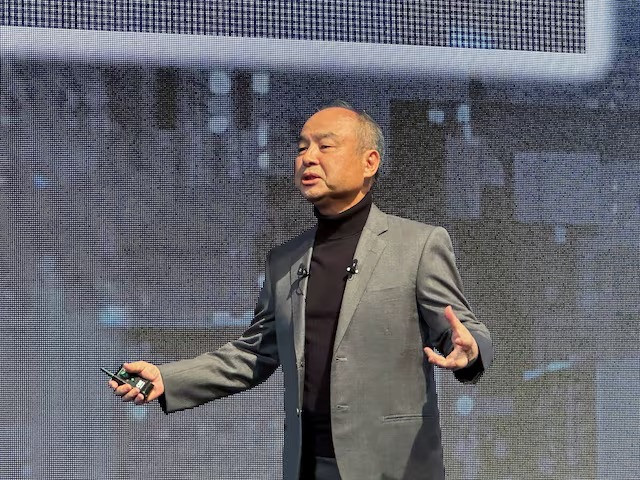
<point>320,468</point>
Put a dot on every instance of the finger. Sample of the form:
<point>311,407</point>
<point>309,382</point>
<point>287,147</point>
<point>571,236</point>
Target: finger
<point>438,360</point>
<point>145,370</point>
<point>465,342</point>
<point>131,394</point>
<point>468,346</point>
<point>431,354</point>
<point>140,399</point>
<point>455,360</point>
<point>122,390</point>
<point>135,367</point>
<point>451,317</point>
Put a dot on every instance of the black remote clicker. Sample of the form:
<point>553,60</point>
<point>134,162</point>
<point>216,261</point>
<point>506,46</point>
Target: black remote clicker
<point>123,377</point>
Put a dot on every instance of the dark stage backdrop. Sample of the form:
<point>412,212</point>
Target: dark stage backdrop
<point>138,200</point>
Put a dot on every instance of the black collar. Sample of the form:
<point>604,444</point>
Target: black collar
<point>344,224</point>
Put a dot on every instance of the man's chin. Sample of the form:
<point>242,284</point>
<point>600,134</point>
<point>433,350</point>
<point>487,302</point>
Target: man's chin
<point>312,196</point>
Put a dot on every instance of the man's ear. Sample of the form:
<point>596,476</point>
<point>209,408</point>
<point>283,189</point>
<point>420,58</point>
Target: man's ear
<point>371,163</point>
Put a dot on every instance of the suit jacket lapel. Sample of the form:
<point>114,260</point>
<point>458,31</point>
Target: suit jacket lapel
<point>370,247</point>
<point>300,256</point>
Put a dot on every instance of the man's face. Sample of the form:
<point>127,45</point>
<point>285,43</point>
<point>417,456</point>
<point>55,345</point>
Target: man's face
<point>331,166</point>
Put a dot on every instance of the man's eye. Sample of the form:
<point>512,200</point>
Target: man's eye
<point>301,149</point>
<point>324,147</point>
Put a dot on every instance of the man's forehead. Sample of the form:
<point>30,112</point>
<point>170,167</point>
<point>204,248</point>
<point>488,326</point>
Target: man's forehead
<point>306,136</point>
<point>333,114</point>
<point>332,121</point>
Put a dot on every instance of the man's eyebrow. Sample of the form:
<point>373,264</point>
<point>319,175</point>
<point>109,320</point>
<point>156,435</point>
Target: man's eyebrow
<point>318,136</point>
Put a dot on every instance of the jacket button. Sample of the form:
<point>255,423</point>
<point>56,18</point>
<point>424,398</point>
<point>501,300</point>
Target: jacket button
<point>298,412</point>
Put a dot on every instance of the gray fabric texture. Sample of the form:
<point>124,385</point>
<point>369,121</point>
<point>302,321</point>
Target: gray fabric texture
<point>384,410</point>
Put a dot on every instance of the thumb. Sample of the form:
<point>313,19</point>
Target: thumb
<point>144,369</point>
<point>451,317</point>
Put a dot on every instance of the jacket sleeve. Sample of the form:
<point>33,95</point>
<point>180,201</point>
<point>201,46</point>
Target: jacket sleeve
<point>438,284</point>
<point>234,367</point>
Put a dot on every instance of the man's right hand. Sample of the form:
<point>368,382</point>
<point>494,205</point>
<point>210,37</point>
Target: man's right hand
<point>144,370</point>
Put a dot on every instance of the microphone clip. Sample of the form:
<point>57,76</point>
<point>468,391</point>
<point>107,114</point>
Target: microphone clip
<point>302,272</point>
<point>352,269</point>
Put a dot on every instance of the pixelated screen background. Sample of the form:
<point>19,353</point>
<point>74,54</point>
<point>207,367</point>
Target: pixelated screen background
<point>138,199</point>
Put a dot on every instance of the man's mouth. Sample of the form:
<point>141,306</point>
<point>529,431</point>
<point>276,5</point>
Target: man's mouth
<point>309,178</point>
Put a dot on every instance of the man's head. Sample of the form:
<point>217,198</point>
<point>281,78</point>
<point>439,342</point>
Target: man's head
<point>339,152</point>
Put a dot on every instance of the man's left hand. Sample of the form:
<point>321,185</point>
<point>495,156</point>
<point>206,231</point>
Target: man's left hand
<point>465,348</point>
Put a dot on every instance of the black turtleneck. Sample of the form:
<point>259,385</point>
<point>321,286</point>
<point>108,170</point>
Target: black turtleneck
<point>333,250</point>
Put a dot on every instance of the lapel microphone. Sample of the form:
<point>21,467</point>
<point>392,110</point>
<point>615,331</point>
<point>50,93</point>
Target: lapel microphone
<point>352,269</point>
<point>302,272</point>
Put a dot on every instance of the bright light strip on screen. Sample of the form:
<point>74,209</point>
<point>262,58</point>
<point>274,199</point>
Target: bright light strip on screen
<point>311,56</point>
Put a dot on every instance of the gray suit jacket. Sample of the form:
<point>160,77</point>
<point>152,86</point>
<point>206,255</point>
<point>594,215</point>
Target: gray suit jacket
<point>384,410</point>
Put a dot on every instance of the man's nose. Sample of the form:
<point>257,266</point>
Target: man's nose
<point>310,156</point>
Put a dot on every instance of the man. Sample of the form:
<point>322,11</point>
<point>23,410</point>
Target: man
<point>351,309</point>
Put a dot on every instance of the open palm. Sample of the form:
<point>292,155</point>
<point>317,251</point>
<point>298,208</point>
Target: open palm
<point>465,347</point>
